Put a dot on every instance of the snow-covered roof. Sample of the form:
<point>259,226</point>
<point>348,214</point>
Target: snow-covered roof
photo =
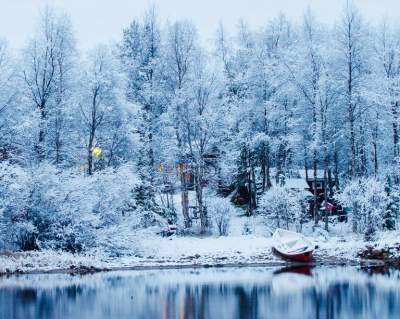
<point>295,183</point>
<point>310,172</point>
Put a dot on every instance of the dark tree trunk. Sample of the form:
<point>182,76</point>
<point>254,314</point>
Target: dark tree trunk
<point>336,165</point>
<point>263,170</point>
<point>375,148</point>
<point>92,132</point>
<point>395,130</point>
<point>269,183</point>
<point>326,190</point>
<point>58,142</point>
<point>41,137</point>
<point>250,191</point>
<point>199,195</point>
<point>330,183</point>
<point>315,208</point>
<point>90,154</point>
<point>254,194</point>
<point>184,196</point>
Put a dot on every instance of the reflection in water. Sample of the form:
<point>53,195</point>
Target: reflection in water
<point>301,270</point>
<point>207,293</point>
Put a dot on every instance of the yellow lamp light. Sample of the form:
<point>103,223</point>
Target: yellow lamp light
<point>97,151</point>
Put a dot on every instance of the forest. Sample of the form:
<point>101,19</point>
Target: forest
<point>164,128</point>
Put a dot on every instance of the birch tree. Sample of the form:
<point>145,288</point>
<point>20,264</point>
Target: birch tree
<point>350,41</point>
<point>180,46</point>
<point>98,98</point>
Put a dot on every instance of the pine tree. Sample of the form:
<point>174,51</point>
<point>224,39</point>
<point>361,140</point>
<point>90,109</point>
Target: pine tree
<point>393,207</point>
<point>140,54</point>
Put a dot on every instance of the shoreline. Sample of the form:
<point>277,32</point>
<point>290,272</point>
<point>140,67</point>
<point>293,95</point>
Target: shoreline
<point>279,264</point>
<point>210,252</point>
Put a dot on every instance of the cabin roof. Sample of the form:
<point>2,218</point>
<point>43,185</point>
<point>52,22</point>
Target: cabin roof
<point>310,173</point>
<point>295,183</point>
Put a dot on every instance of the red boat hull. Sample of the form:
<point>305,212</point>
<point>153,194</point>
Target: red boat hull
<point>302,257</point>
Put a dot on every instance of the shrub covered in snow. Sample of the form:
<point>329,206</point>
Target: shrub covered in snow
<point>248,227</point>
<point>65,209</point>
<point>368,202</point>
<point>281,207</point>
<point>220,211</point>
<point>15,228</point>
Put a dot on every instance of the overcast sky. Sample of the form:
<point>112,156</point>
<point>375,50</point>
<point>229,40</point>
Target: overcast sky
<point>98,21</point>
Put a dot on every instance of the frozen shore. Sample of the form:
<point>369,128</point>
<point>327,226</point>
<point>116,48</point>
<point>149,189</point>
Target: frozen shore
<point>184,252</point>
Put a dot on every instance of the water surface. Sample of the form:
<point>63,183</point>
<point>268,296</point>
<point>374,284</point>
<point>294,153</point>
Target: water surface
<point>204,293</point>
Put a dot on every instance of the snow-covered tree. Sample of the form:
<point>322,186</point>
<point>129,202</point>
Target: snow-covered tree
<point>99,101</point>
<point>140,53</point>
<point>392,213</point>
<point>221,211</point>
<point>368,201</point>
<point>180,47</point>
<point>47,63</point>
<point>352,66</point>
<point>279,206</point>
<point>8,99</point>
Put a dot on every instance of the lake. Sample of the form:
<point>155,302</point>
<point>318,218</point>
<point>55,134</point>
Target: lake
<point>259,292</point>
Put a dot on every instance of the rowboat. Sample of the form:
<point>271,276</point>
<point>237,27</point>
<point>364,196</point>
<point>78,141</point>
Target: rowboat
<point>292,246</point>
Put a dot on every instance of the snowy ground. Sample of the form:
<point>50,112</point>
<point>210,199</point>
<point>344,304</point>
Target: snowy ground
<point>177,251</point>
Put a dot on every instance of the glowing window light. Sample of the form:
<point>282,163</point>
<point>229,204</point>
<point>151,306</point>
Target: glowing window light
<point>97,151</point>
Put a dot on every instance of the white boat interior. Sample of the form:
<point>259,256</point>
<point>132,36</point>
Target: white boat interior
<point>289,242</point>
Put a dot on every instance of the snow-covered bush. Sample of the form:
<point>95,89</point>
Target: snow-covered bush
<point>16,229</point>
<point>221,211</point>
<point>280,207</point>
<point>248,227</point>
<point>65,209</point>
<point>62,209</point>
<point>368,202</point>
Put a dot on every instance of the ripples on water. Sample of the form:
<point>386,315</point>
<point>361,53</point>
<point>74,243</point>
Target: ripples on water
<point>204,293</point>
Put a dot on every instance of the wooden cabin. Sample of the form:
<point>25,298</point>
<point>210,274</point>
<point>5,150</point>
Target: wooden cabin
<point>324,184</point>
<point>321,183</point>
<point>304,181</point>
<point>188,170</point>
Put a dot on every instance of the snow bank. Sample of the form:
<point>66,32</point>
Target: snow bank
<point>339,246</point>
